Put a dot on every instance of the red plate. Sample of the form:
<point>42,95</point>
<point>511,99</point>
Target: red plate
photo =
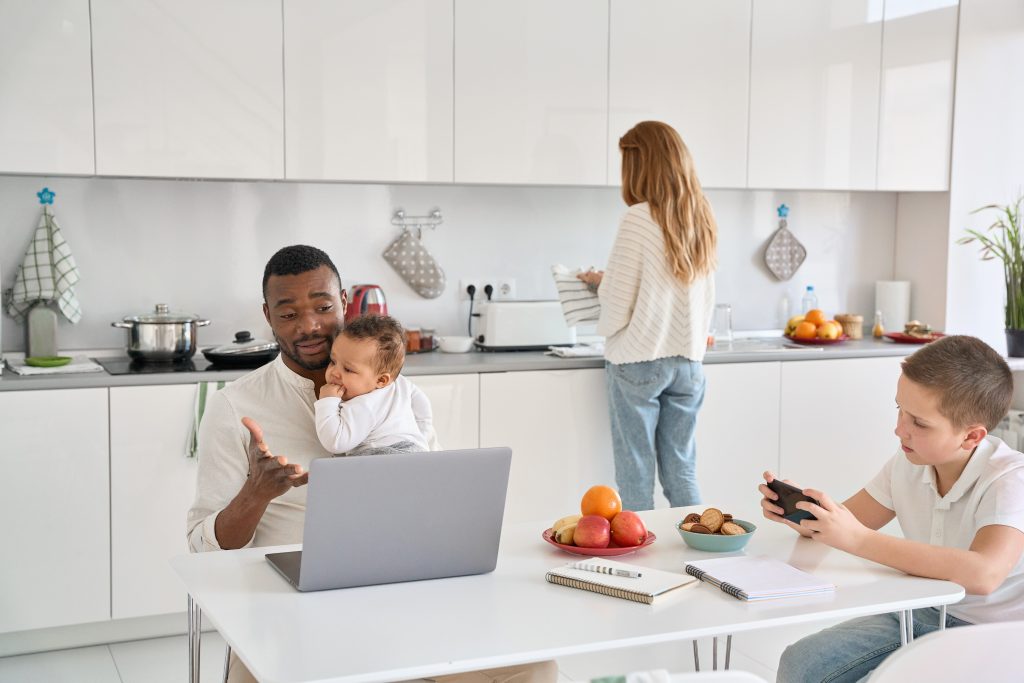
<point>901,338</point>
<point>610,551</point>
<point>816,341</point>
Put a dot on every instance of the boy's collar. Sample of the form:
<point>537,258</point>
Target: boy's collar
<point>975,466</point>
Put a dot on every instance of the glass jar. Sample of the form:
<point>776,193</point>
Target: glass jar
<point>412,340</point>
<point>427,339</point>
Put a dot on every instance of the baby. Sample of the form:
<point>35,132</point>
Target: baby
<point>367,407</point>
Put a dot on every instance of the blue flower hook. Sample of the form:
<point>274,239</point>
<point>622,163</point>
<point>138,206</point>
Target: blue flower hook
<point>46,196</point>
<point>783,210</point>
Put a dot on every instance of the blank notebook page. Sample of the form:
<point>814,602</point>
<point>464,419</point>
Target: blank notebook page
<point>758,578</point>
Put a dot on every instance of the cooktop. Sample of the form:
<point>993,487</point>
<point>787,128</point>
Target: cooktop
<point>126,366</point>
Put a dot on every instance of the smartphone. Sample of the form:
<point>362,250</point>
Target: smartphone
<point>789,496</point>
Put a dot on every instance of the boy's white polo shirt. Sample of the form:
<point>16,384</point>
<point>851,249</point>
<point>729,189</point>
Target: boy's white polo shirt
<point>989,491</point>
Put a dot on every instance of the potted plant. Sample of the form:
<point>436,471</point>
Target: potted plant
<point>1004,240</point>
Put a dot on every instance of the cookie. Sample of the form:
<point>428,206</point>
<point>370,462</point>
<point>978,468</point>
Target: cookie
<point>687,526</point>
<point>727,516</point>
<point>700,529</point>
<point>691,518</point>
<point>732,529</point>
<point>713,519</point>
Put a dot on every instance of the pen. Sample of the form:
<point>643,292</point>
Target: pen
<point>601,569</point>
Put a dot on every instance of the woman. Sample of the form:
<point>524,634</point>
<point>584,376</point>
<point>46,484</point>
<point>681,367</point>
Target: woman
<point>657,294</point>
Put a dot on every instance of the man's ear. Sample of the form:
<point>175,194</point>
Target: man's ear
<point>344,302</point>
<point>266,312</point>
<point>975,434</point>
<point>383,379</point>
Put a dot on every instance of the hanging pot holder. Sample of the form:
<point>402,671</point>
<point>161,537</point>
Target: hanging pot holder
<point>413,262</point>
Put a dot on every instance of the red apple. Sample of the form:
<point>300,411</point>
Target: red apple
<point>628,529</point>
<point>592,531</point>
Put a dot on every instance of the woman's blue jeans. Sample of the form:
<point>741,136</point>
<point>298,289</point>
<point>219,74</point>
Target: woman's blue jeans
<point>653,407</point>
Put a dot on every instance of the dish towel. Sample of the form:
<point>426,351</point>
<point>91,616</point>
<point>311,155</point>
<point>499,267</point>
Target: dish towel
<point>653,676</point>
<point>77,364</point>
<point>47,273</point>
<point>203,391</point>
<point>592,350</point>
<point>579,302</point>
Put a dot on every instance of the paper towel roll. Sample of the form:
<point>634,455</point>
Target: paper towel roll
<point>892,298</point>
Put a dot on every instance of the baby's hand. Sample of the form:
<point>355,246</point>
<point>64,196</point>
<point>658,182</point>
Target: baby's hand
<point>332,390</point>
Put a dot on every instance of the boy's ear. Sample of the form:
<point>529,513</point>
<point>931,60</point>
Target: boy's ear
<point>383,379</point>
<point>975,434</point>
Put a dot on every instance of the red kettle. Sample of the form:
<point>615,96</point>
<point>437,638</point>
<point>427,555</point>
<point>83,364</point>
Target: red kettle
<point>364,299</point>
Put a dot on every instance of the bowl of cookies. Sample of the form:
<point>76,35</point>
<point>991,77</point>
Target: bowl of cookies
<point>715,531</point>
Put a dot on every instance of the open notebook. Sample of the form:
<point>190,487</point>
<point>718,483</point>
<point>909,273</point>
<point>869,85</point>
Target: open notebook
<point>757,578</point>
<point>649,585</point>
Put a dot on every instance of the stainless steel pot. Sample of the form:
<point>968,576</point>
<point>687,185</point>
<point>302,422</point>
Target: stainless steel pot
<point>161,336</point>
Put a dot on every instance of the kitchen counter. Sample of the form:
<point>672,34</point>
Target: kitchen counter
<point>438,363</point>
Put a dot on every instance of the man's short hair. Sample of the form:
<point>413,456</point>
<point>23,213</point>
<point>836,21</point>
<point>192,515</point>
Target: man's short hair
<point>388,334</point>
<point>296,259</point>
<point>973,382</point>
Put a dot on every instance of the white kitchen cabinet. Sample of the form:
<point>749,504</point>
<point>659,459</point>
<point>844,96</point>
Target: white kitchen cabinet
<point>368,90</point>
<point>814,89</point>
<point>45,87</point>
<point>738,434</point>
<point>56,568</point>
<point>687,64</point>
<point>556,423</point>
<point>531,92</point>
<point>916,114</point>
<point>455,400</point>
<point>188,88</point>
<point>152,487</point>
<point>837,422</point>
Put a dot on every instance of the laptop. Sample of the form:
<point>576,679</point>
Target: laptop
<point>376,519</point>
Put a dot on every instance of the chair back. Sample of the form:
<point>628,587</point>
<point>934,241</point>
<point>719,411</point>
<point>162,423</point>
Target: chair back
<point>985,652</point>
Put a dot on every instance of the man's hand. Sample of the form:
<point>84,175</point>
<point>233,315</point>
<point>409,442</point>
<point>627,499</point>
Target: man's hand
<point>332,390</point>
<point>835,524</point>
<point>772,511</point>
<point>592,277</point>
<point>269,475</point>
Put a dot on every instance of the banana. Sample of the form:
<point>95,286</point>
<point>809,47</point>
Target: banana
<point>569,519</point>
<point>565,534</point>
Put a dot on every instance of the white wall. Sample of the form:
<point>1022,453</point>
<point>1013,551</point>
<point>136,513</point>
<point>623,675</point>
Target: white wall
<point>922,220</point>
<point>201,246</point>
<point>988,146</point>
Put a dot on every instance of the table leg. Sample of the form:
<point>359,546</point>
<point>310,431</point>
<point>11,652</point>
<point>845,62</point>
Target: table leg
<point>728,650</point>
<point>227,661</point>
<point>714,654</point>
<point>910,625</point>
<point>903,628</point>
<point>942,618</point>
<point>696,657</point>
<point>195,618</point>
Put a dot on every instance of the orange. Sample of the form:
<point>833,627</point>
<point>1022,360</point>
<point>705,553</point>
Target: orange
<point>815,315</point>
<point>806,330</point>
<point>601,500</point>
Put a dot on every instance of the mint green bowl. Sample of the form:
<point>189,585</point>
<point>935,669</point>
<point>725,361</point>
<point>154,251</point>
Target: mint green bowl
<point>715,543</point>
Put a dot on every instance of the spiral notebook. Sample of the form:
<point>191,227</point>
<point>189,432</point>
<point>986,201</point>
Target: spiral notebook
<point>757,578</point>
<point>649,585</point>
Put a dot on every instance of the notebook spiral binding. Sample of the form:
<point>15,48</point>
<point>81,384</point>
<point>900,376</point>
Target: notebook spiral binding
<point>734,591</point>
<point>596,587</point>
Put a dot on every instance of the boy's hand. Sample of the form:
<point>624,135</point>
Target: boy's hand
<point>772,511</point>
<point>332,390</point>
<point>835,524</point>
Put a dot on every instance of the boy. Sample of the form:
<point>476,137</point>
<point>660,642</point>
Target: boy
<point>958,495</point>
<point>366,407</point>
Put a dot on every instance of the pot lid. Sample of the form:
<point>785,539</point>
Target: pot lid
<point>161,314</point>
<point>244,344</point>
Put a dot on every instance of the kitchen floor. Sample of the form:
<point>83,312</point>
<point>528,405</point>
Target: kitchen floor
<point>164,660</point>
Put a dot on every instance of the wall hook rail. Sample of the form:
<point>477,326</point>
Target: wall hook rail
<point>430,221</point>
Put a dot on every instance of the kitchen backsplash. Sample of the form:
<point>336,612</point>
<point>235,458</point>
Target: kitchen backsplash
<point>200,246</point>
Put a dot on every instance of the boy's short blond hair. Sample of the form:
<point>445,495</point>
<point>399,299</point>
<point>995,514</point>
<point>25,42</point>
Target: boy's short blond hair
<point>973,382</point>
<point>388,334</point>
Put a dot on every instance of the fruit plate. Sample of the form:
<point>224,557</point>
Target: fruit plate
<point>816,341</point>
<point>901,338</point>
<point>610,551</point>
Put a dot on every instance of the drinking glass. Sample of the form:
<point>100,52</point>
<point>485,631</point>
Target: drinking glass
<point>721,324</point>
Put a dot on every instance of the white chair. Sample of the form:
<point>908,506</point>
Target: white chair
<point>986,652</point>
<point>717,677</point>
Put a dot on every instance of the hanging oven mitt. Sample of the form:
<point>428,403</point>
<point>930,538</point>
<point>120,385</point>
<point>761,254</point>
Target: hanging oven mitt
<point>413,262</point>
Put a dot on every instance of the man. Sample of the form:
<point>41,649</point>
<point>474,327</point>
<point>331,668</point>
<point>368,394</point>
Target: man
<point>245,495</point>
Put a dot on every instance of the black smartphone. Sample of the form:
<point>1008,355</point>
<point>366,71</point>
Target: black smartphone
<point>789,496</point>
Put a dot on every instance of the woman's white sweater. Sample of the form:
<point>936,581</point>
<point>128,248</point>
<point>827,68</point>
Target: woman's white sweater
<point>646,312</point>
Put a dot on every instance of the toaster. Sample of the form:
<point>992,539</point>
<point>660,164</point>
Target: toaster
<point>522,326</point>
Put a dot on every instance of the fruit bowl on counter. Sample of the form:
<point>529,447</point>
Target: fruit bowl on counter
<point>611,551</point>
<point>815,341</point>
<point>813,328</point>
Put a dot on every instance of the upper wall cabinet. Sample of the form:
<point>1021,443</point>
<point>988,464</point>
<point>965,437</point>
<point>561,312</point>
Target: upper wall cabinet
<point>368,90</point>
<point>531,92</point>
<point>45,87</point>
<point>188,88</point>
<point>814,88</point>
<point>687,64</point>
<point>918,63</point>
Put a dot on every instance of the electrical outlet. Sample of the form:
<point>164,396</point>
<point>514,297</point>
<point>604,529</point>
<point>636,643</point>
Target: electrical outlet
<point>503,288</point>
<point>476,282</point>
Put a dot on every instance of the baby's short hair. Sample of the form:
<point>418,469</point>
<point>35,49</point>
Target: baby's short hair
<point>388,334</point>
<point>973,382</point>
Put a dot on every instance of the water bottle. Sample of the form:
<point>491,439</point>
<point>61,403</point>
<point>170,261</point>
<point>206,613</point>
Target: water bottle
<point>810,299</point>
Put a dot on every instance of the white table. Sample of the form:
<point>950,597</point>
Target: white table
<point>511,616</point>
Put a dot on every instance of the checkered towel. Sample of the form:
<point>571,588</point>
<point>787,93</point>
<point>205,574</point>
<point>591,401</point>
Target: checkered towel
<point>579,301</point>
<point>47,273</point>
